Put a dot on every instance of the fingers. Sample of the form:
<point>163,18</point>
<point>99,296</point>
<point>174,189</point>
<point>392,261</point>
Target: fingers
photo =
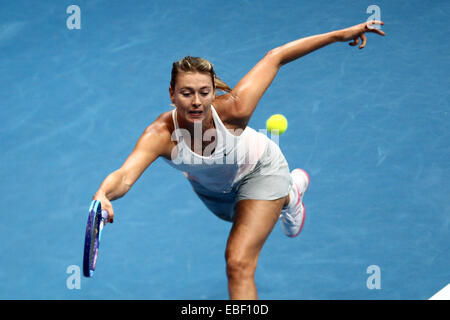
<point>364,40</point>
<point>355,42</point>
<point>107,206</point>
<point>380,32</point>
<point>110,216</point>
<point>370,24</point>
<point>371,28</point>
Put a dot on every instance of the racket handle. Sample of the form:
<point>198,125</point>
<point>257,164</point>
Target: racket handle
<point>105,215</point>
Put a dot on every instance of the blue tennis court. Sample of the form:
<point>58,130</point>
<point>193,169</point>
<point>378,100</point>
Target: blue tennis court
<point>370,126</point>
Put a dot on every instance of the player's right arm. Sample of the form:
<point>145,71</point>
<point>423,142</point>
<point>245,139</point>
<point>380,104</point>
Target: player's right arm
<point>154,142</point>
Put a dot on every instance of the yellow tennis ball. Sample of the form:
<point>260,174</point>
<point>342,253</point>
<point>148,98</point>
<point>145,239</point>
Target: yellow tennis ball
<point>277,124</point>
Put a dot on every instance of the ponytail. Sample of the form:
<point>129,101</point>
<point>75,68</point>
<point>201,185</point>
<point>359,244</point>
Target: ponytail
<point>220,85</point>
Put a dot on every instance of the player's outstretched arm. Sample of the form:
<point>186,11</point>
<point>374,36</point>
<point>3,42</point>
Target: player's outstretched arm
<point>251,88</point>
<point>299,48</point>
<point>152,143</point>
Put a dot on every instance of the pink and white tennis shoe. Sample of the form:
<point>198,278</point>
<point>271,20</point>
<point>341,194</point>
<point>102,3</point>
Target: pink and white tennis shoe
<point>292,216</point>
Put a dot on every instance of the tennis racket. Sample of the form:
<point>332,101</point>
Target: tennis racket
<point>95,223</point>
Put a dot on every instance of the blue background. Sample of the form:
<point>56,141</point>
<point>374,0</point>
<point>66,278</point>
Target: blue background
<point>370,126</point>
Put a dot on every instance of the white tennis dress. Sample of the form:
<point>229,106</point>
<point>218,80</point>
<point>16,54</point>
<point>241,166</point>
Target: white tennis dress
<point>232,158</point>
<point>245,166</point>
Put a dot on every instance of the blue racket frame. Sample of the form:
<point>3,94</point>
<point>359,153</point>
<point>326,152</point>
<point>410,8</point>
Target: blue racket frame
<point>95,223</point>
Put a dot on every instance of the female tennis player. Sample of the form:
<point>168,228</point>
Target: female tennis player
<point>239,174</point>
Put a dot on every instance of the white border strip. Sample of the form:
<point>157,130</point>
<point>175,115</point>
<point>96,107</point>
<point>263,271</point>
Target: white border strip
<point>443,294</point>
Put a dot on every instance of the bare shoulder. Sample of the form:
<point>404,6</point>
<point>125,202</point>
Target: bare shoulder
<point>158,134</point>
<point>162,125</point>
<point>227,107</point>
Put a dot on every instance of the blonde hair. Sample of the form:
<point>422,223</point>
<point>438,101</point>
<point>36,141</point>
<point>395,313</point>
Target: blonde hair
<point>196,64</point>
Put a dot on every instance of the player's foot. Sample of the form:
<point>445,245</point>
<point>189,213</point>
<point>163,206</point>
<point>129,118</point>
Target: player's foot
<point>293,215</point>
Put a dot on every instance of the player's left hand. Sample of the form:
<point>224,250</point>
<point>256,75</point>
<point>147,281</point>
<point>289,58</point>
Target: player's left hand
<point>358,31</point>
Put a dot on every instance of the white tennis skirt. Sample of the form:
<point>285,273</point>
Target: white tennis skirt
<point>269,180</point>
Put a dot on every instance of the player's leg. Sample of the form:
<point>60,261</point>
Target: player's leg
<point>253,222</point>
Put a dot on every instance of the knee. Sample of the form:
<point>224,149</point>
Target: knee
<point>239,267</point>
